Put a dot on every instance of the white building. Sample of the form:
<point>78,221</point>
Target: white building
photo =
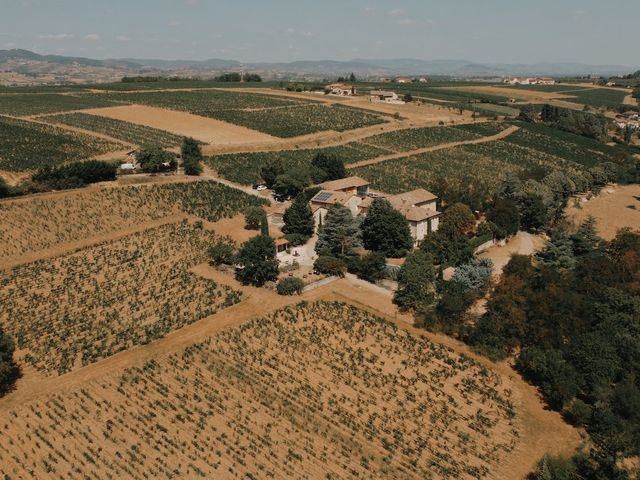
<point>340,89</point>
<point>384,96</point>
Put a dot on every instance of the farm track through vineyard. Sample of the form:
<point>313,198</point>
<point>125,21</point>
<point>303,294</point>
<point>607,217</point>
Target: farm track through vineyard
<point>384,158</point>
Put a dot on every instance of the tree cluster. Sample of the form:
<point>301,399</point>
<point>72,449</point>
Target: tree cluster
<point>237,77</point>
<point>153,159</point>
<point>573,314</point>
<point>191,156</point>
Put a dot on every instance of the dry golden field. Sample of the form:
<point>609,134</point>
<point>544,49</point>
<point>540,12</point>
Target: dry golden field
<point>320,390</point>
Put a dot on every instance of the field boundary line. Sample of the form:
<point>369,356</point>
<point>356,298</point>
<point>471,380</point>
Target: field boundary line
<point>394,156</point>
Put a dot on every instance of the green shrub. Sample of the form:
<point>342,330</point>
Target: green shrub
<point>330,266</point>
<point>290,286</point>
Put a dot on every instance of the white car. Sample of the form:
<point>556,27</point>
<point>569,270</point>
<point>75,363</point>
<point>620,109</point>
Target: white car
<point>261,188</point>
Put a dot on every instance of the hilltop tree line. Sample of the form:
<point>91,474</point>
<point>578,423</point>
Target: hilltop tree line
<point>238,77</point>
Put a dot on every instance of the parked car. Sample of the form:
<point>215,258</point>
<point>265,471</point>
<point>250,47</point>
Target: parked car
<point>260,188</point>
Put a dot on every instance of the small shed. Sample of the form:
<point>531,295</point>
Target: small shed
<point>281,245</point>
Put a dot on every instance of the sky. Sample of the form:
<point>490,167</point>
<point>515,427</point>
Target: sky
<point>496,31</point>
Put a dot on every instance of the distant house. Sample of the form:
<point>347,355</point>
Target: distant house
<point>529,81</point>
<point>386,96</point>
<point>340,89</point>
<point>403,80</point>
<point>423,80</point>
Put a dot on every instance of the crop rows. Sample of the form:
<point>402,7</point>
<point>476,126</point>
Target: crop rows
<point>118,129</point>
<point>38,104</point>
<point>76,309</point>
<point>598,97</point>
<point>27,145</point>
<point>245,167</point>
<point>300,120</point>
<point>317,390</point>
<point>30,225</point>
<point>202,102</point>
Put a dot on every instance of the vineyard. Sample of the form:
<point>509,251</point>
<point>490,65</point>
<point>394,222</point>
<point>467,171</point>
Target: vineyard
<point>43,222</point>
<point>27,145</point>
<point>76,309</point>
<point>245,167</point>
<point>300,120</point>
<point>38,104</point>
<point>318,390</point>
<point>201,102</point>
<point>118,129</point>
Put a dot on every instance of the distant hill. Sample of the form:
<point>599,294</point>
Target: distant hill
<point>74,69</point>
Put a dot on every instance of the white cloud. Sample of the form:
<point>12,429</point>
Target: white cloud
<point>92,37</point>
<point>56,36</point>
<point>122,38</point>
<point>396,13</point>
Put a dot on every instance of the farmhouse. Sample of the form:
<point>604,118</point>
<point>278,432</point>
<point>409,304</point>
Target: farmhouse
<point>340,89</point>
<point>419,206</point>
<point>529,81</point>
<point>403,80</point>
<point>386,96</point>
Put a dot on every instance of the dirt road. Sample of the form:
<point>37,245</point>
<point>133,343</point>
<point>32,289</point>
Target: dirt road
<point>505,133</point>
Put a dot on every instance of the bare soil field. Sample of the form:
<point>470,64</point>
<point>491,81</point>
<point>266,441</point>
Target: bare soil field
<point>208,130</point>
<point>614,208</point>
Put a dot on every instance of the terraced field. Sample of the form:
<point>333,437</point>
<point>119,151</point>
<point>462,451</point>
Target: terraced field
<point>73,310</point>
<point>26,145</point>
<point>118,129</point>
<point>319,390</point>
<point>37,104</point>
<point>34,224</point>
<point>245,167</point>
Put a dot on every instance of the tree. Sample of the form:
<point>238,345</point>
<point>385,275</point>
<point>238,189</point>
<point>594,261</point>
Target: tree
<point>527,114</point>
<point>416,282</point>
<point>372,267</point>
<point>9,371</point>
<point>292,182</point>
<point>555,468</point>
<point>385,230</point>
<point>447,249</point>
<point>271,170</point>
<point>475,275</point>
<point>457,219</point>
<point>558,252</point>
<point>253,217</point>
<point>586,239</point>
<point>327,167</point>
<point>290,286</point>
<point>626,134</point>
<point>504,214</point>
<point>352,77</point>
<point>222,251</point>
<point>340,232</point>
<point>298,218</point>
<point>330,266</point>
<point>191,156</point>
<point>257,261</point>
<point>153,159</point>
<point>5,189</point>
<point>408,98</point>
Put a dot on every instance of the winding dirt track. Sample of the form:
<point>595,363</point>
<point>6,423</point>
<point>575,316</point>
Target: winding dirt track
<point>503,134</point>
